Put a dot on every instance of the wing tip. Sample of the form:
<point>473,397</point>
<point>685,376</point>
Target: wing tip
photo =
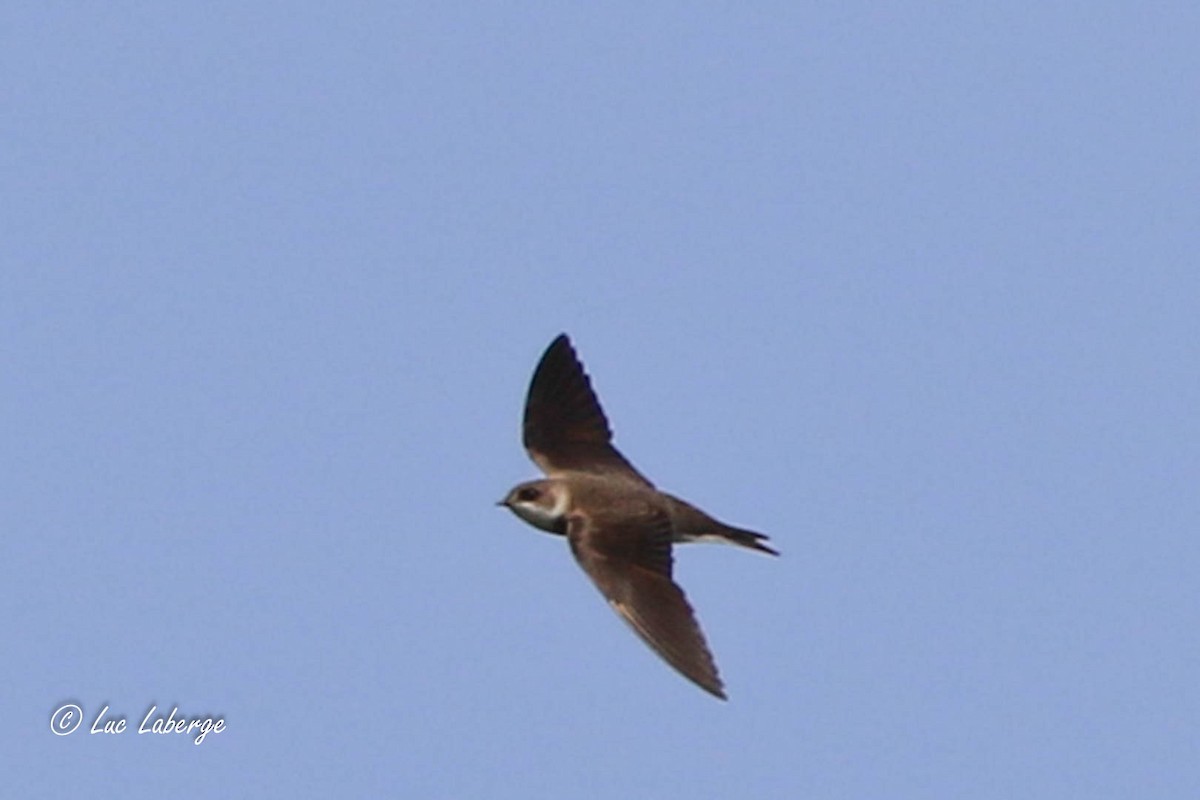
<point>702,673</point>
<point>559,342</point>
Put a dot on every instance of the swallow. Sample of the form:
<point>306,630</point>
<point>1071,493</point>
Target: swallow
<point>620,528</point>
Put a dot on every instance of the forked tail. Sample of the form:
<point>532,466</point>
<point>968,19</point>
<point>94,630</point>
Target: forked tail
<point>690,524</point>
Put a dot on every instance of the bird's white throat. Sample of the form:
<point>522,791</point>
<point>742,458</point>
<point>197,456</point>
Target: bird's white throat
<point>549,518</point>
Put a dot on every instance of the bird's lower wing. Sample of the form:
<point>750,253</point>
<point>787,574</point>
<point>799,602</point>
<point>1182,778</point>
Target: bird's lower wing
<point>631,566</point>
<point>658,611</point>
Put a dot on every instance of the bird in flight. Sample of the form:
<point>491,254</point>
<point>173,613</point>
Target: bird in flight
<point>619,526</point>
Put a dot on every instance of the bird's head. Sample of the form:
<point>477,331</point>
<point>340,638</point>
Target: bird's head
<point>543,504</point>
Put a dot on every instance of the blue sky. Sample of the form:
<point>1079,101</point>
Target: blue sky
<point>912,289</point>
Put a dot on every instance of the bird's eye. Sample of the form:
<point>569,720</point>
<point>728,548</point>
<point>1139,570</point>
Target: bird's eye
<point>527,494</point>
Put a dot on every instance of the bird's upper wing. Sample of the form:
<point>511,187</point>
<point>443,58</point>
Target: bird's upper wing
<point>565,429</point>
<point>630,563</point>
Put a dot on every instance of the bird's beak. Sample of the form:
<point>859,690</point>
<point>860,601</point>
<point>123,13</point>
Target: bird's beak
<point>501,502</point>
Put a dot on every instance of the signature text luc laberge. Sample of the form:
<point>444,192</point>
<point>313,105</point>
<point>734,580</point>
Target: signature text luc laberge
<point>200,726</point>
